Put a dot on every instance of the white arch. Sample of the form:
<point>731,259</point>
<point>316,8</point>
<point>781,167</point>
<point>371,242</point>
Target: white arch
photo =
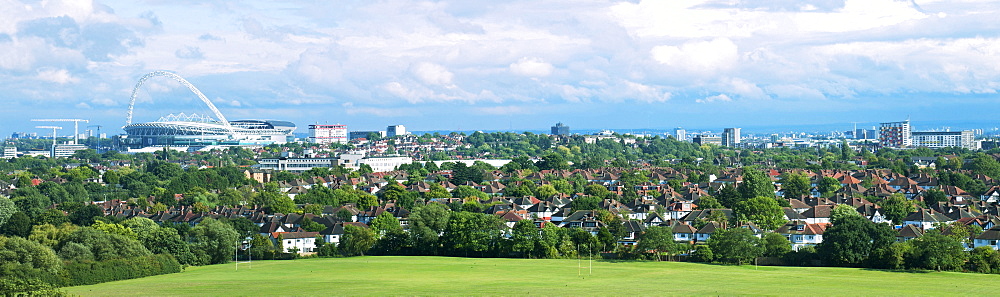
<point>178,78</point>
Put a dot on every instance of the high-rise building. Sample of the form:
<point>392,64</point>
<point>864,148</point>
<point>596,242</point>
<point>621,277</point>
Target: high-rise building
<point>962,139</point>
<point>680,134</point>
<point>864,134</point>
<point>731,137</point>
<point>395,130</point>
<point>895,134</point>
<point>560,129</point>
<point>325,134</point>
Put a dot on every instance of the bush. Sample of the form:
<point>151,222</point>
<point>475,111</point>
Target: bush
<point>91,272</point>
<point>702,253</point>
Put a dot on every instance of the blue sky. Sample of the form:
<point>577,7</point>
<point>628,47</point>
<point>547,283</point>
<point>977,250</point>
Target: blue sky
<point>491,65</point>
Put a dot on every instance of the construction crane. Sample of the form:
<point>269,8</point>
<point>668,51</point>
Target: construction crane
<point>54,128</point>
<point>98,137</point>
<point>76,126</point>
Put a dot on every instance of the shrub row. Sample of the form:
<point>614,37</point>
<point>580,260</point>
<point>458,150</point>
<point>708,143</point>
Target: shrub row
<point>91,272</point>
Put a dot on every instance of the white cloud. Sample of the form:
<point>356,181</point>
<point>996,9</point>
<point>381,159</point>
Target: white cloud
<point>531,66</point>
<point>60,76</point>
<point>716,98</point>
<point>698,56</point>
<point>432,74</point>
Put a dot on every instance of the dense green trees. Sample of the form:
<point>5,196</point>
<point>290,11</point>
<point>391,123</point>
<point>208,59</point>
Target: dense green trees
<point>795,185</point>
<point>356,240</point>
<point>735,245</point>
<point>213,242</point>
<point>855,241</point>
<point>657,240</point>
<point>763,211</point>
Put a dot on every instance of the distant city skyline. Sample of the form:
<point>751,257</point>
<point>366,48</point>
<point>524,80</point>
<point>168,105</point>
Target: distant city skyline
<point>511,65</point>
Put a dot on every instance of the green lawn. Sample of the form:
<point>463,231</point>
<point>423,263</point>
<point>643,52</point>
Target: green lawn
<point>464,276</point>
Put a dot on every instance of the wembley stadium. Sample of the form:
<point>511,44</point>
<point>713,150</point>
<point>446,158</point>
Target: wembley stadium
<point>199,130</point>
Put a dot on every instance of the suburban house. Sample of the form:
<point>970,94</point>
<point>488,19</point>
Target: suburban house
<point>302,242</point>
<point>802,234</point>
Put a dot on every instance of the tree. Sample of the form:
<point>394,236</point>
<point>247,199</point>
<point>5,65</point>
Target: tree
<point>213,241</point>
<point>657,240</point>
<point>437,191</point>
<point>795,185</point>
<point>702,253</point>
<point>842,210</point>
<point>50,235</point>
<point>472,234</point>
<point>464,191</point>
<point>19,224</point>
<point>984,259</point>
<point>84,216</point>
<point>356,240</point>
<point>426,223</point>
<point>552,161</point>
<point>545,191</point>
<point>728,196</point>
<point>87,243</point>
<point>827,185</point>
<point>985,164</point>
<point>310,226</point>
<point>936,251</point>
<point>756,183</point>
<point>19,254</point>
<point>763,211</point>
<point>735,245</point>
<point>896,207</point>
<point>775,245</point>
<point>523,237</point>
<point>933,196</point>
<point>7,209</point>
<point>852,240</point>
<point>708,202</point>
<point>384,223</point>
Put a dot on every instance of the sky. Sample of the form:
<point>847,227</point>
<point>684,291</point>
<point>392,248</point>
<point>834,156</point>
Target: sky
<point>503,65</point>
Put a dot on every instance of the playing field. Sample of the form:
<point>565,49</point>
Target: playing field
<point>465,276</point>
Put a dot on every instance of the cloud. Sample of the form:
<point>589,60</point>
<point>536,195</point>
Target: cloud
<point>432,74</point>
<point>191,52</point>
<point>716,98</point>
<point>704,57</point>
<point>531,66</point>
<point>60,76</point>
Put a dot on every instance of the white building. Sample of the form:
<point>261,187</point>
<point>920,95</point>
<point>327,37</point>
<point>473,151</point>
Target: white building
<point>395,130</point>
<point>297,165</point>
<point>731,137</point>
<point>303,242</point>
<point>962,139</point>
<point>895,134</point>
<point>9,152</point>
<point>680,134</point>
<point>383,164</point>
<point>326,134</point>
<point>66,150</point>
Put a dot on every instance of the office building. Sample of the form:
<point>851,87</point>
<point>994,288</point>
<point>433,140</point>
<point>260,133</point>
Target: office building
<point>894,134</point>
<point>363,134</point>
<point>703,140</point>
<point>66,150</point>
<point>680,134</point>
<point>326,134</point>
<point>395,130</point>
<point>560,129</point>
<point>731,137</point>
<point>962,139</point>
<point>9,152</point>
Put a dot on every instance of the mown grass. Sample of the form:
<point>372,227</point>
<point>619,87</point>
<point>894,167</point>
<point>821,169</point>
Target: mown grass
<point>466,276</point>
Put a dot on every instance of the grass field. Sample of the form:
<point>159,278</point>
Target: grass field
<point>464,276</point>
